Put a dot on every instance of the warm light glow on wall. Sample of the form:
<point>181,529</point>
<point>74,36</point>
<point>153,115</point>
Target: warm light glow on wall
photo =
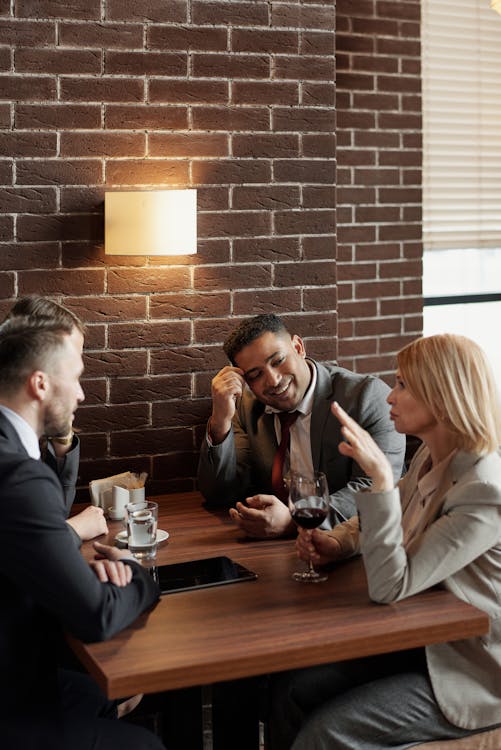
<point>150,222</point>
<point>496,5</point>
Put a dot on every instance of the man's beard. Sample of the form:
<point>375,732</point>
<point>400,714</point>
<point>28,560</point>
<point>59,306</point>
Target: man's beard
<point>57,423</point>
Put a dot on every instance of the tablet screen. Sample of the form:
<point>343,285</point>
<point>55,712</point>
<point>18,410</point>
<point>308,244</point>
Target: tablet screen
<point>198,574</point>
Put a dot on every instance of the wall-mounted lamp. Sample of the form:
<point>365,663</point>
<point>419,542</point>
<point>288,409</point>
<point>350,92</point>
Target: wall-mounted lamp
<point>150,222</point>
<point>496,5</point>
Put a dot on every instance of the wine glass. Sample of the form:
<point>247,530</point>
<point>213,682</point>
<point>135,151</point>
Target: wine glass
<point>309,504</point>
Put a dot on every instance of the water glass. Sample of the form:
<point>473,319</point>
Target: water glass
<point>142,521</point>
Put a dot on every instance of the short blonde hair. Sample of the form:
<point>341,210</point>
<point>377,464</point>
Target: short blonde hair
<point>452,376</point>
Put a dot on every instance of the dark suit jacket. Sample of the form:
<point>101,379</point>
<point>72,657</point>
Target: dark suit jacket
<point>66,469</point>
<point>46,586</point>
<point>241,465</point>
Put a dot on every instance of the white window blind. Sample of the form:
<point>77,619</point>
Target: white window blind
<point>461,58</point>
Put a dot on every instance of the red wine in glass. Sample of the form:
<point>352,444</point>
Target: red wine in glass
<point>309,518</point>
<point>308,504</point>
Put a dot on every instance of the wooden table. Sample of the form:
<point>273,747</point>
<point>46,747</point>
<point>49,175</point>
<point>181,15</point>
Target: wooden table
<point>268,625</point>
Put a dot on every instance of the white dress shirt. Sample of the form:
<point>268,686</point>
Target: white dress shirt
<point>299,458</point>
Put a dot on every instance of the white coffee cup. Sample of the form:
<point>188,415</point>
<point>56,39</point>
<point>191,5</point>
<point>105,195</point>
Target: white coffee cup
<point>120,498</point>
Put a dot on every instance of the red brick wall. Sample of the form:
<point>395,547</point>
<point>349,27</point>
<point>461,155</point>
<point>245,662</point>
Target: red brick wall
<point>236,99</point>
<point>379,251</point>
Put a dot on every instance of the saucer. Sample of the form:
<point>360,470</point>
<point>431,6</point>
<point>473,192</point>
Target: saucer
<point>121,537</point>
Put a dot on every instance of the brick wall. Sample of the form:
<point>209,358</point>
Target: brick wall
<point>236,99</point>
<point>379,251</point>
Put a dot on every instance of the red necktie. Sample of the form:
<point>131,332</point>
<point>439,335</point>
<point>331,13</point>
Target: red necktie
<point>287,419</point>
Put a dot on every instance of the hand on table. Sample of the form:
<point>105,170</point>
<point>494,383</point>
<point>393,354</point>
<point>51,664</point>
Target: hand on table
<point>318,546</point>
<point>360,446</point>
<point>109,566</point>
<point>264,517</point>
<point>226,387</point>
<point>89,523</point>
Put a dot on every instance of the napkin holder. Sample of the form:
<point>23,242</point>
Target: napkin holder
<point>114,493</point>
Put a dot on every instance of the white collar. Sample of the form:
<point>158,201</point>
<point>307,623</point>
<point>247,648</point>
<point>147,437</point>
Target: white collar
<point>27,434</point>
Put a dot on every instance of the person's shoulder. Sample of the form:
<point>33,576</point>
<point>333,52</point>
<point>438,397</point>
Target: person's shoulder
<point>341,377</point>
<point>16,467</point>
<point>475,480</point>
<point>484,468</point>
<point>31,493</point>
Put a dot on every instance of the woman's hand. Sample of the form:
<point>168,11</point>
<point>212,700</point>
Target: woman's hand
<point>359,446</point>
<point>318,546</point>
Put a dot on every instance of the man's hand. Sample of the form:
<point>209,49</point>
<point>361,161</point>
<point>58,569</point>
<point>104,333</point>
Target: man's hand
<point>264,517</point>
<point>108,565</point>
<point>89,523</point>
<point>226,387</point>
<point>320,546</point>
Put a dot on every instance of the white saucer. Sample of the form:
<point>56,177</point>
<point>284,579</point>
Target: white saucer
<point>121,537</point>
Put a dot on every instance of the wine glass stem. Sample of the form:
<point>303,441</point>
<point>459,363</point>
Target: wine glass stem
<point>311,569</point>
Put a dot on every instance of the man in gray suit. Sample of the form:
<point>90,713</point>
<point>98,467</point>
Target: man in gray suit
<point>270,374</point>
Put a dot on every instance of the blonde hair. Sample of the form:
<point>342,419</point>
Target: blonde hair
<point>452,376</point>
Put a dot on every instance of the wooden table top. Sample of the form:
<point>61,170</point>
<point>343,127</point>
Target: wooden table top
<point>267,625</point>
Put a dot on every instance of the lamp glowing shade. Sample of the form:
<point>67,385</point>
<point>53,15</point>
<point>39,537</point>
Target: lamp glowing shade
<point>150,222</point>
<point>496,5</point>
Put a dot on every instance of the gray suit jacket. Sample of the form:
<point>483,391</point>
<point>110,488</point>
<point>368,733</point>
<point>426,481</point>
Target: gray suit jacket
<point>460,549</point>
<point>241,465</point>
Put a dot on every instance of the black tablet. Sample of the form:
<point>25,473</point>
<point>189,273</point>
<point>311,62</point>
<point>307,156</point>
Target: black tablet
<point>199,574</point>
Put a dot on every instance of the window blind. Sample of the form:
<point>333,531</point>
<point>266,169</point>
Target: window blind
<point>461,59</point>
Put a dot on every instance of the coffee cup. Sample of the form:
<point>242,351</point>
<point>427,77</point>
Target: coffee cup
<point>120,498</point>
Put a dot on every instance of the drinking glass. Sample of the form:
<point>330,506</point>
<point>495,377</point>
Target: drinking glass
<point>142,529</point>
<point>309,505</point>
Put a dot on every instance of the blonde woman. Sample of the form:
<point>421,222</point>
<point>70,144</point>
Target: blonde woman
<point>440,525</point>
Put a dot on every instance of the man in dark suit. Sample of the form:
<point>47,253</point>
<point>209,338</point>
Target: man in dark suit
<point>270,375</point>
<point>47,587</point>
<point>62,451</point>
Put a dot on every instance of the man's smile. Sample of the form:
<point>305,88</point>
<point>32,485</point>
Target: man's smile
<point>281,389</point>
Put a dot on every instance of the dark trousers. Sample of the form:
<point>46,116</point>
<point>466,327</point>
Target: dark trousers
<point>237,707</point>
<point>68,712</point>
<point>175,715</point>
<point>89,719</point>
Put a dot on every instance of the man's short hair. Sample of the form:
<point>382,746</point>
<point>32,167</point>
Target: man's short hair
<point>28,343</point>
<point>43,308</point>
<point>250,330</point>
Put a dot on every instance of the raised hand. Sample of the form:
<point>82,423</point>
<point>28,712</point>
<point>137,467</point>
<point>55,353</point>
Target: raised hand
<point>226,387</point>
<point>360,446</point>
